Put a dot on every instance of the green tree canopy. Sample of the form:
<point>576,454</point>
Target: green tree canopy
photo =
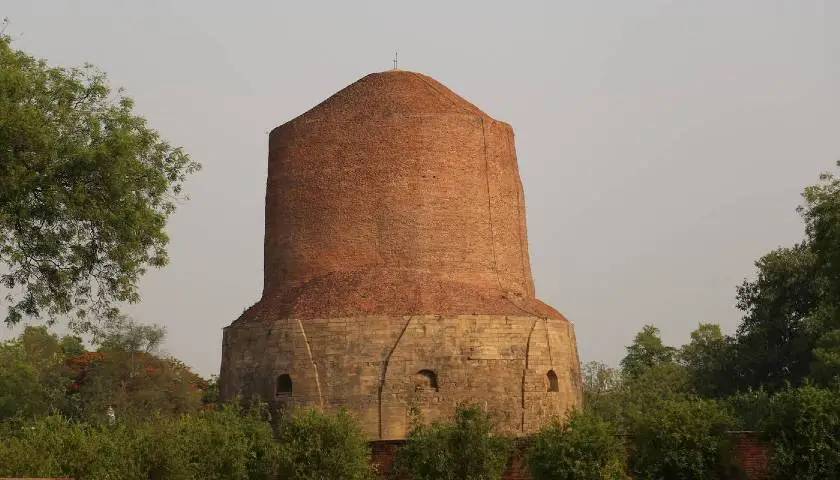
<point>646,351</point>
<point>774,339</point>
<point>125,335</point>
<point>791,323</point>
<point>708,358</point>
<point>126,374</point>
<point>86,188</point>
<point>33,377</point>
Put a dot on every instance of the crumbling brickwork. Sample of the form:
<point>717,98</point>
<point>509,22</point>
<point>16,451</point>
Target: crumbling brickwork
<point>396,272</point>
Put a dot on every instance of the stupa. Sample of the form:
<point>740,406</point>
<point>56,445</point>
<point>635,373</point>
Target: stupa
<point>397,280</point>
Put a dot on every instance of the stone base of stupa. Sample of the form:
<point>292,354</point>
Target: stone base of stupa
<point>387,370</point>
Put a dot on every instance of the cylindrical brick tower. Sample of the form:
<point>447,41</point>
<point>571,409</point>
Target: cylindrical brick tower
<point>397,276</point>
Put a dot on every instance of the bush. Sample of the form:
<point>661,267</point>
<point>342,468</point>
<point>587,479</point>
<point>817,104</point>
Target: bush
<point>584,448</point>
<point>227,443</point>
<point>803,427</point>
<point>750,408</point>
<point>224,444</point>
<point>680,438</point>
<point>315,446</point>
<point>466,449</point>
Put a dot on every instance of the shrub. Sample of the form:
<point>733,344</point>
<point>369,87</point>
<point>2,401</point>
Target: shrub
<point>803,427</point>
<point>227,443</point>
<point>680,438</point>
<point>224,444</point>
<point>584,448</point>
<point>315,446</point>
<point>466,449</point>
<point>750,408</point>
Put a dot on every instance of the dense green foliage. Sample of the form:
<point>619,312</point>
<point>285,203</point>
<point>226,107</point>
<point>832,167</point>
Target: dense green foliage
<point>791,327</point>
<point>33,375</point>
<point>671,432</point>
<point>708,361</point>
<point>774,341</point>
<point>584,448</point>
<point>465,449</point>
<point>86,188</point>
<point>803,426</point>
<point>223,444</point>
<point>314,446</point>
<point>134,384</point>
<point>680,439</point>
<point>646,351</point>
<point>41,374</point>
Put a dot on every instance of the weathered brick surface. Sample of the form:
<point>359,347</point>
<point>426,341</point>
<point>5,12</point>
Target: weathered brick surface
<point>752,455</point>
<point>395,197</point>
<point>397,275</point>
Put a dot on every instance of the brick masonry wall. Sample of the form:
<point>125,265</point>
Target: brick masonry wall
<point>751,454</point>
<point>394,184</point>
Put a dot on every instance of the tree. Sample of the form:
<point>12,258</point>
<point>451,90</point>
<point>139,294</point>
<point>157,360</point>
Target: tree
<point>598,380</point>
<point>125,335</point>
<point>603,391</point>
<point>821,213</point>
<point>792,308</point>
<point>314,445</point>
<point>775,337</point>
<point>646,351</point>
<point>466,449</point>
<point>708,357</point>
<point>803,426</point>
<point>86,188</point>
<point>134,384</point>
<point>126,375</point>
<point>822,226</point>
<point>33,378</point>
<point>584,448</point>
<point>825,368</point>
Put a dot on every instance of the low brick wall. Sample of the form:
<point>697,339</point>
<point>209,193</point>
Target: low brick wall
<point>751,454</point>
<point>383,453</point>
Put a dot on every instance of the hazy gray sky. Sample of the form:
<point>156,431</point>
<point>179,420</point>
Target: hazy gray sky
<point>663,145</point>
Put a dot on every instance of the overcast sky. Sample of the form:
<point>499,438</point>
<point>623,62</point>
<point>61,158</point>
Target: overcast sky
<point>663,145</point>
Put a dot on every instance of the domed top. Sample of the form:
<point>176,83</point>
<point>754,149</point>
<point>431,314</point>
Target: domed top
<point>395,196</point>
<point>393,92</point>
